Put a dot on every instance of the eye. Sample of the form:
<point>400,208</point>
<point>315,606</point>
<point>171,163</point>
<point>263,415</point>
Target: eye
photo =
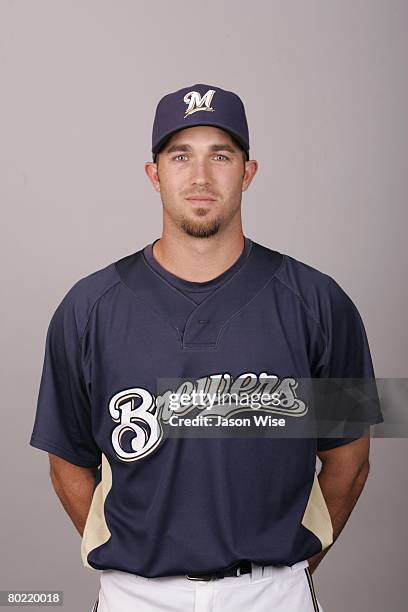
<point>224,156</point>
<point>181,155</point>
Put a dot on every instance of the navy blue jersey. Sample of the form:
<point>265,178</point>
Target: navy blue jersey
<point>166,505</point>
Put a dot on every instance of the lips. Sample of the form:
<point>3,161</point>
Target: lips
<point>201,198</point>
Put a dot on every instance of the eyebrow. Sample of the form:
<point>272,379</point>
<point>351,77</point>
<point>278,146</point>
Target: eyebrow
<point>187,147</point>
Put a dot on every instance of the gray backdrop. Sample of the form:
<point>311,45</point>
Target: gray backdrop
<point>325,88</point>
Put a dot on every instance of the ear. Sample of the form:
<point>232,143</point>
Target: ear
<point>152,172</point>
<point>251,168</point>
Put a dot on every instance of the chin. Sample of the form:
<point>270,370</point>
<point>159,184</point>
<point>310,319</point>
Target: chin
<point>200,230</point>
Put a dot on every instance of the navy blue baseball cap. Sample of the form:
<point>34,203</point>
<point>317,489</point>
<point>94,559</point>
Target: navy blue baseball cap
<point>200,104</point>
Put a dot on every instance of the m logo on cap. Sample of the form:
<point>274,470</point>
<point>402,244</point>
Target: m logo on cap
<point>197,103</point>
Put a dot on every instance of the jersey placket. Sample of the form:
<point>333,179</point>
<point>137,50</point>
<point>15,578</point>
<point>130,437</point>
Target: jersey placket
<point>199,326</point>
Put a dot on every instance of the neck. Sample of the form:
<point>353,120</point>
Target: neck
<point>198,259</point>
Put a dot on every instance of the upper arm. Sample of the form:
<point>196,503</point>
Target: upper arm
<point>64,473</point>
<point>63,423</point>
<point>347,401</point>
<point>58,465</point>
<point>352,457</point>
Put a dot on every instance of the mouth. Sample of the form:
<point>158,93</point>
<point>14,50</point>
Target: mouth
<point>200,199</point>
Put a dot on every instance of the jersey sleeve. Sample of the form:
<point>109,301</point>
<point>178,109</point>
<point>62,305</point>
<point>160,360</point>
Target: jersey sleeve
<point>62,423</point>
<point>346,356</point>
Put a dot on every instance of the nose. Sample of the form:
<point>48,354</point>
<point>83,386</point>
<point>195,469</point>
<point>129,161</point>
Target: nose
<point>200,174</point>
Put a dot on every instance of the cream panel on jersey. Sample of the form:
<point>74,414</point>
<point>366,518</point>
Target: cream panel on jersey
<point>96,531</point>
<point>316,517</point>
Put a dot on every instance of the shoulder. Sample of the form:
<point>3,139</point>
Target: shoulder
<point>79,300</point>
<point>298,276</point>
<point>302,276</point>
<point>319,291</point>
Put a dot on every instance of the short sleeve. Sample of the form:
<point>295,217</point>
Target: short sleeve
<point>346,356</point>
<point>62,423</point>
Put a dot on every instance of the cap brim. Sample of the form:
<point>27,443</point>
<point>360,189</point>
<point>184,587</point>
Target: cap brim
<point>173,131</point>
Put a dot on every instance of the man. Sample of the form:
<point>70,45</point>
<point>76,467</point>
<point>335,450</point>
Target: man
<point>176,511</point>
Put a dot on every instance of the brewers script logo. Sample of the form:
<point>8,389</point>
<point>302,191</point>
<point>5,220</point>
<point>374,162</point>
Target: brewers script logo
<point>139,415</point>
<point>197,103</point>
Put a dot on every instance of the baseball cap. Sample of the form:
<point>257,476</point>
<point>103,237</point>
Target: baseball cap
<point>200,104</point>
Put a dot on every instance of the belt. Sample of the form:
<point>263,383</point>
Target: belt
<point>241,567</point>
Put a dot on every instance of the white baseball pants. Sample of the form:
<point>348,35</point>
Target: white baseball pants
<point>266,589</point>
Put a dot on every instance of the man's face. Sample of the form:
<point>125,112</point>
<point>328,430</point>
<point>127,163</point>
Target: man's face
<point>200,173</point>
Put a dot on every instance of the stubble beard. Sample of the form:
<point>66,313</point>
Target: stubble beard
<point>200,229</point>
